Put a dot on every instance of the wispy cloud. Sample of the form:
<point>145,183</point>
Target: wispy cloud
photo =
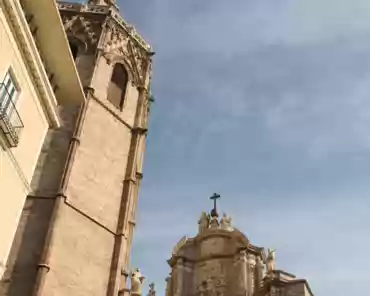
<point>268,103</point>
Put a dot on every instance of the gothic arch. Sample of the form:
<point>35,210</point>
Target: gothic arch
<point>78,46</point>
<point>117,87</point>
<point>114,59</point>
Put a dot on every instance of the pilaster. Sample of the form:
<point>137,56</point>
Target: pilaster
<point>251,263</point>
<point>168,286</point>
<point>259,272</point>
<point>240,265</point>
<point>180,270</point>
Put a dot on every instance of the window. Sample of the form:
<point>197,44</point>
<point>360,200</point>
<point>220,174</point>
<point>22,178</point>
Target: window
<point>74,49</point>
<point>117,86</point>
<point>8,94</point>
<point>10,122</point>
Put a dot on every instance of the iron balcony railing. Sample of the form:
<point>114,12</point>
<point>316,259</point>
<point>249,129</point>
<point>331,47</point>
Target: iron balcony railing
<point>10,121</point>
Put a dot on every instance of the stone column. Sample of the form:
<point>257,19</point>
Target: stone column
<point>251,263</point>
<point>240,265</point>
<point>259,272</point>
<point>169,286</point>
<point>179,277</point>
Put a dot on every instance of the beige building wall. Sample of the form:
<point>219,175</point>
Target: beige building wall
<point>17,164</point>
<point>75,231</point>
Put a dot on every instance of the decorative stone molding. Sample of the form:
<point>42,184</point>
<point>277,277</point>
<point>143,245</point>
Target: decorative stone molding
<point>33,59</point>
<point>106,10</point>
<point>85,29</point>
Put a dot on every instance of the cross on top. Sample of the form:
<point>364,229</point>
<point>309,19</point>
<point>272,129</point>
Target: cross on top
<point>215,197</point>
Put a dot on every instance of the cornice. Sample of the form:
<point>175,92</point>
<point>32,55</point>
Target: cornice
<point>33,60</point>
<point>113,14</point>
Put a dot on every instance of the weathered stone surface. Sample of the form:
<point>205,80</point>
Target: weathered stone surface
<point>52,158</point>
<point>27,247</point>
<point>98,172</point>
<point>220,261</point>
<point>80,258</point>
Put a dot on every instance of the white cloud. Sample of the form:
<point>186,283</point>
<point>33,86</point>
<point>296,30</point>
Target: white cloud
<point>268,102</point>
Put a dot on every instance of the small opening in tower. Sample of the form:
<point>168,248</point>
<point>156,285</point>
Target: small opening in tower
<point>117,86</point>
<point>74,49</point>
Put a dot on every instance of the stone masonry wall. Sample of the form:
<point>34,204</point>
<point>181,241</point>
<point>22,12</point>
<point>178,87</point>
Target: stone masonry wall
<point>98,172</point>
<point>51,162</point>
<point>80,256</point>
<point>29,240</point>
<point>27,247</point>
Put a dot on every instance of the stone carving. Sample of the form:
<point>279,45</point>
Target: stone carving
<point>213,223</point>
<point>211,279</point>
<point>84,29</point>
<point>152,291</point>
<point>226,223</point>
<point>138,57</point>
<point>271,260</point>
<point>203,222</point>
<point>137,280</point>
<point>116,40</point>
<point>118,44</point>
<point>274,291</point>
<point>210,287</point>
<point>202,289</point>
<point>123,279</point>
<point>180,244</point>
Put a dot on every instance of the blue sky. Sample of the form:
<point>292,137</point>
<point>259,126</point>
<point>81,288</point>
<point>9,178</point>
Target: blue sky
<point>267,103</point>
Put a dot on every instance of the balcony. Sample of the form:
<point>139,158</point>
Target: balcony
<point>10,122</point>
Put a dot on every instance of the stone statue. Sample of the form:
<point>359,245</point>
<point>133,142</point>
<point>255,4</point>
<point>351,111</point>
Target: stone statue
<point>137,280</point>
<point>123,280</point>
<point>152,291</point>
<point>271,260</point>
<point>213,222</point>
<point>202,289</point>
<point>226,222</point>
<point>203,222</point>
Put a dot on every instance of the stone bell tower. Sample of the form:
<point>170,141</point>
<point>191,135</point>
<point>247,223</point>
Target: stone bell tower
<point>92,236</point>
<point>77,226</point>
<point>221,261</point>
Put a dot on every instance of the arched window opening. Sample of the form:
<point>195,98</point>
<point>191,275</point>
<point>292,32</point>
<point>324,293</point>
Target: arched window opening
<point>74,49</point>
<point>117,86</point>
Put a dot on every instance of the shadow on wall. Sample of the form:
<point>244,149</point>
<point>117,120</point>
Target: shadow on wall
<point>21,269</point>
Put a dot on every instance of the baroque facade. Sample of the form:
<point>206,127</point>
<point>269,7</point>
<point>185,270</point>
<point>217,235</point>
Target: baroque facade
<point>73,227</point>
<point>221,261</point>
